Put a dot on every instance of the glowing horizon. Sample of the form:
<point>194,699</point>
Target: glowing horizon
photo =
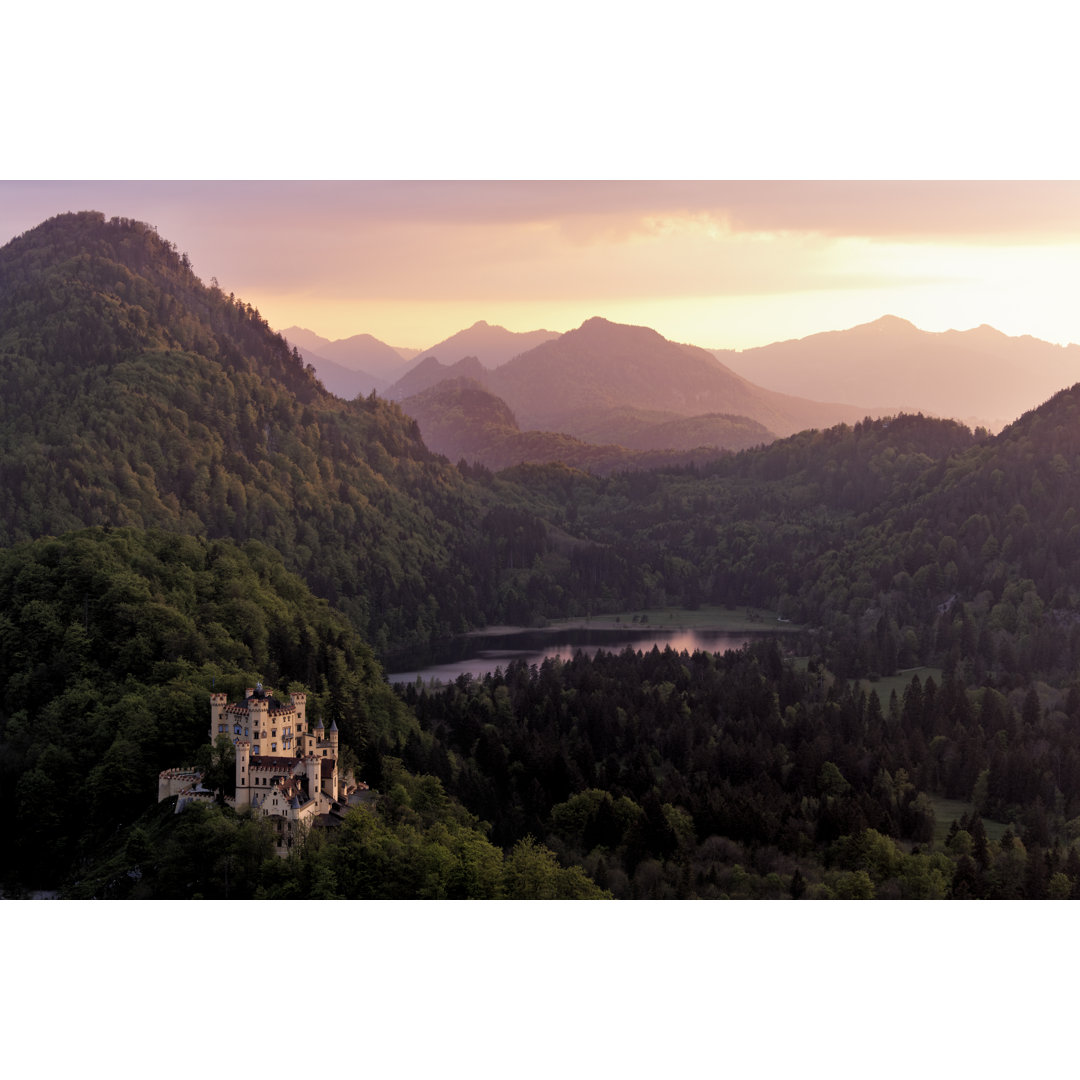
<point>718,264</point>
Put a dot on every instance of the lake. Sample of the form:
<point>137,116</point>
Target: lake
<point>480,653</point>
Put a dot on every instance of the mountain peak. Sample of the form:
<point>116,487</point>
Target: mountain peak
<point>888,323</point>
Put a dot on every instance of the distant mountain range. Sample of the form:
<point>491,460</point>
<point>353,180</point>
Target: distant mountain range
<point>491,345</point>
<point>978,376</point>
<point>350,366</point>
<point>612,382</point>
<point>361,363</point>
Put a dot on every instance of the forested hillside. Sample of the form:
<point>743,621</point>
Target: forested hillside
<point>110,641</point>
<point>131,394</point>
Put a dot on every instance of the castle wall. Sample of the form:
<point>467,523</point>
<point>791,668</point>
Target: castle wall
<point>172,781</point>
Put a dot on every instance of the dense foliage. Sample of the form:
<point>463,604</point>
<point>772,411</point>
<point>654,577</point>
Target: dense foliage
<point>675,775</point>
<point>110,642</point>
<point>413,844</point>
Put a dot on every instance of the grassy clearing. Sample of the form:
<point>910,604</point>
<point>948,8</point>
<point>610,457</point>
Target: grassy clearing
<point>732,620</point>
<point>899,682</point>
<point>946,811</point>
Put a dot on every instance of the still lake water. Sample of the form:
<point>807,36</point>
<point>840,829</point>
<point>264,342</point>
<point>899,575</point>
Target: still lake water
<point>481,653</point>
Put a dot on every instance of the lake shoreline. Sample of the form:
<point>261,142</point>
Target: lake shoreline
<point>706,619</point>
<point>485,650</point>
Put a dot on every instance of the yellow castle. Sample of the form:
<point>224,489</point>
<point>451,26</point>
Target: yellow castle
<point>285,769</point>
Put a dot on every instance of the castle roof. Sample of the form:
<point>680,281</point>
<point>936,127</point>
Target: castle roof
<point>273,705</point>
<point>266,761</point>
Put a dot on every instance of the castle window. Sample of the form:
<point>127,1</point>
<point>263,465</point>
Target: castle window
<point>255,748</point>
<point>273,732</point>
<point>273,748</point>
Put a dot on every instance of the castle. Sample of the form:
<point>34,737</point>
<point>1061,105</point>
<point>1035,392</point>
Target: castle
<point>286,770</point>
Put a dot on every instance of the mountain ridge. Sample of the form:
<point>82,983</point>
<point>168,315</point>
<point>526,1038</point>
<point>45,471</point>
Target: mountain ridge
<point>603,365</point>
<point>981,375</point>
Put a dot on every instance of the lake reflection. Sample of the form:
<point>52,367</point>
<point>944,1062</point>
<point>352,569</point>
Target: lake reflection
<point>481,654</point>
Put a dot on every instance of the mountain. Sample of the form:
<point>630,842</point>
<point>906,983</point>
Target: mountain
<point>361,352</point>
<point>343,382</point>
<point>132,395</point>
<point>978,376</point>
<point>491,345</point>
<point>430,371</point>
<point>459,418</point>
<point>350,366</point>
<point>604,365</point>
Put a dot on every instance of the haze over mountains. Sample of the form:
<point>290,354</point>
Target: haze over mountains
<point>610,384</point>
<point>457,417</point>
<point>358,364</point>
<point>978,376</point>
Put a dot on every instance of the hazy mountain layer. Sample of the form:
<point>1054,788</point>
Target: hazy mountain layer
<point>343,382</point>
<point>459,418</point>
<point>603,366</point>
<point>491,345</point>
<point>430,371</point>
<point>978,376</point>
<point>361,352</point>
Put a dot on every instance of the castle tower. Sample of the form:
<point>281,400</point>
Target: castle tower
<point>300,705</point>
<point>217,707</point>
<point>243,773</point>
<point>259,715</point>
<point>334,780</point>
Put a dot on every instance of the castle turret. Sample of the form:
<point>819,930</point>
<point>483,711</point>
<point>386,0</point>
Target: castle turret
<point>258,705</point>
<point>299,701</point>
<point>334,737</point>
<point>243,773</point>
<point>217,721</point>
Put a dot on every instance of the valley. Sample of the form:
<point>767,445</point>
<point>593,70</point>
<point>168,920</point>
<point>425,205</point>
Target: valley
<point>188,506</point>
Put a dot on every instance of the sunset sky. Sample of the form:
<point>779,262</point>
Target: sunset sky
<point>718,264</point>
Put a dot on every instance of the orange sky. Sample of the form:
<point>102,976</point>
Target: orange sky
<point>719,264</point>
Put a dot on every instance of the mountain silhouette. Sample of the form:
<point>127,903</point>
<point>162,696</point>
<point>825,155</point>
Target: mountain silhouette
<point>603,366</point>
<point>491,345</point>
<point>977,376</point>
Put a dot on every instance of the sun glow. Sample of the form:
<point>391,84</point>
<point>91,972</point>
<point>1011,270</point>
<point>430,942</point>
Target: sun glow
<point>723,265</point>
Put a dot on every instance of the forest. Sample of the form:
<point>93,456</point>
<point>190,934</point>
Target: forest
<point>184,507</point>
